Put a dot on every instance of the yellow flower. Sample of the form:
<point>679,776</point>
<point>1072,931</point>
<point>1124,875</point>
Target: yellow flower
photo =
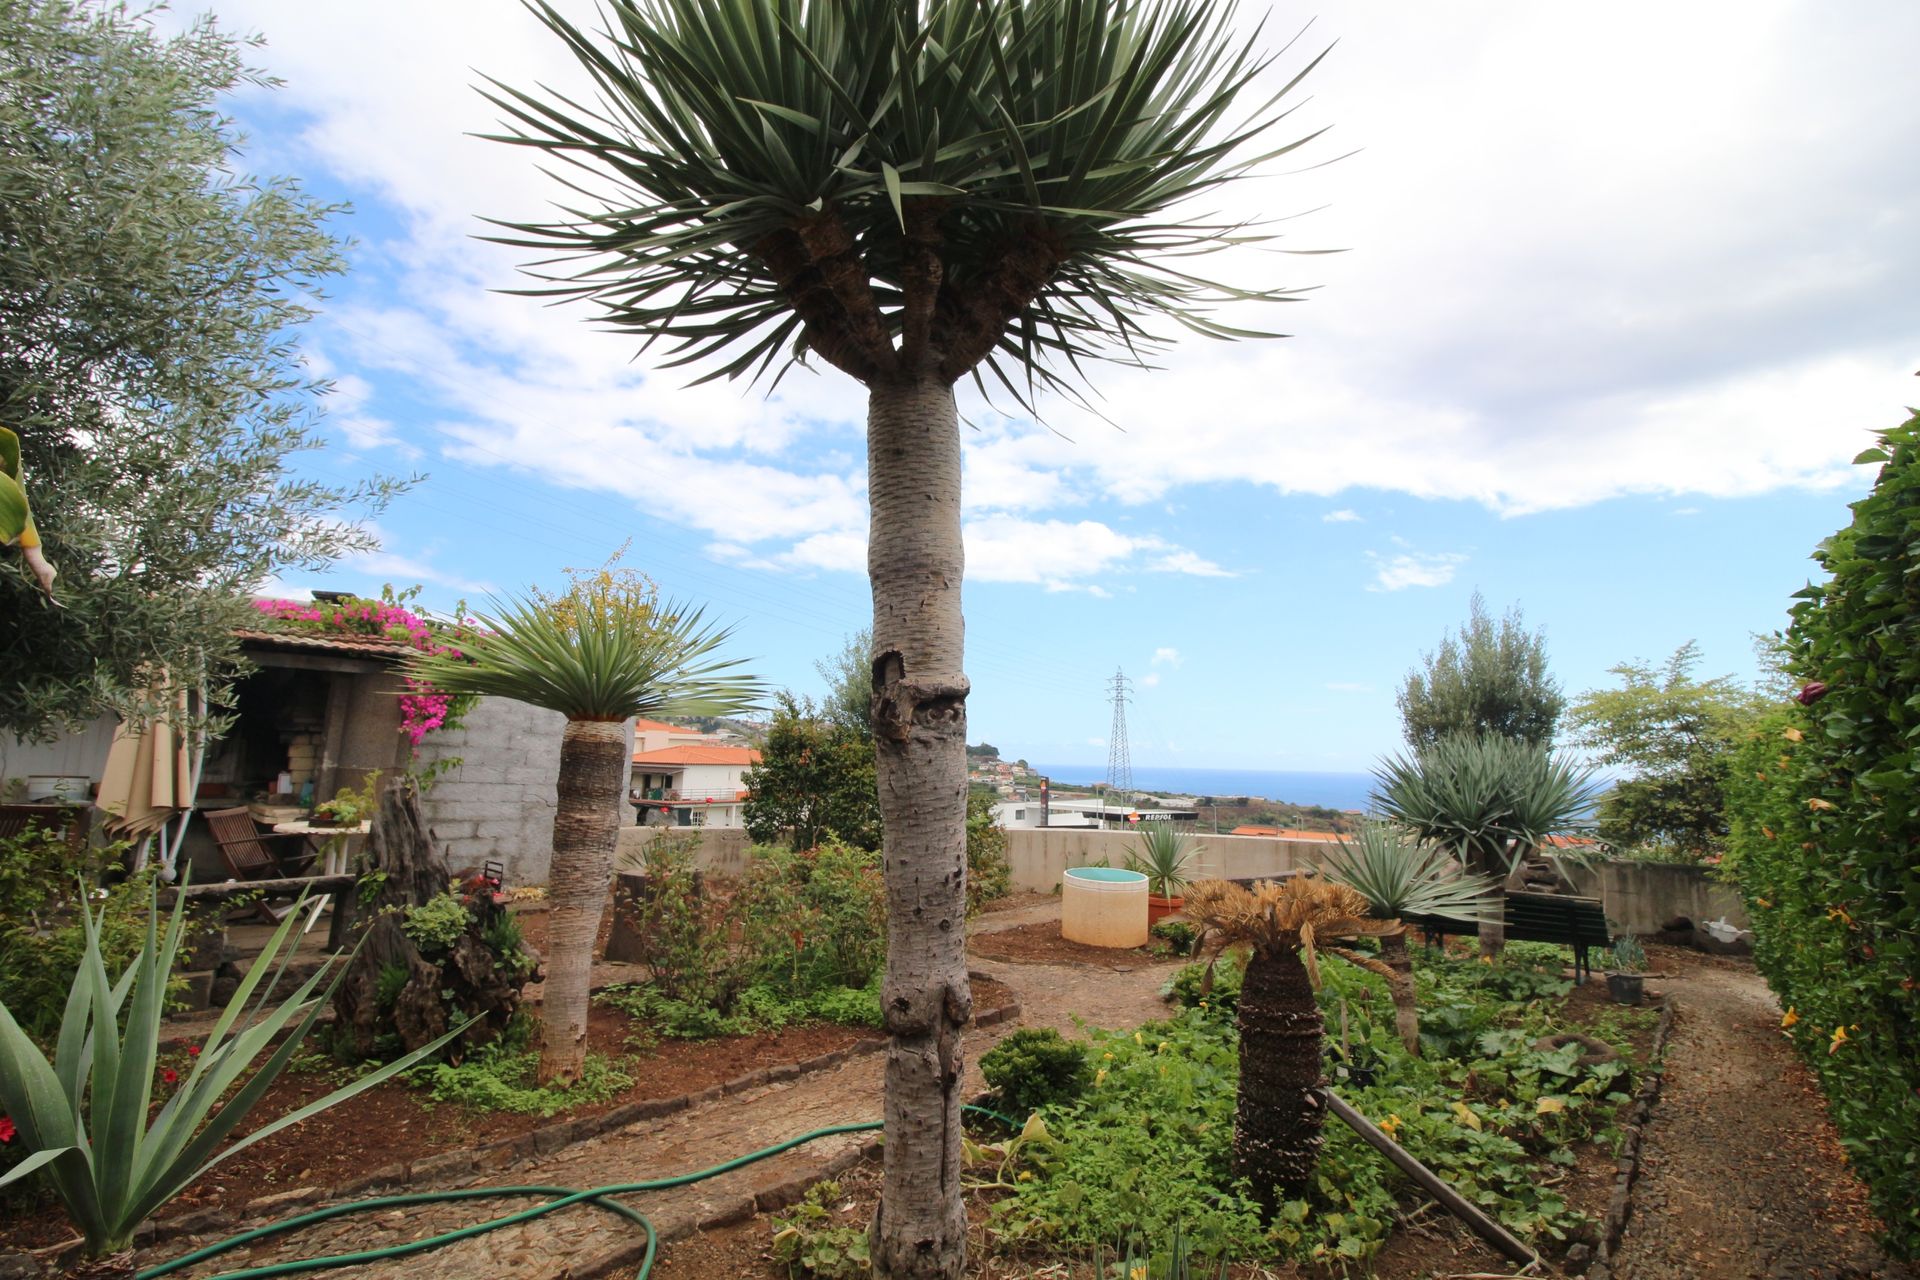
<point>1840,914</point>
<point>1839,1038</point>
<point>1391,1125</point>
<point>1793,735</point>
<point>1138,1273</point>
<point>1486,959</point>
<point>1818,803</point>
<point>1139,1040</point>
<point>1162,1048</point>
<point>1100,1076</point>
<point>1106,1057</point>
<point>1762,902</point>
<point>1791,1016</point>
<point>1203,1004</point>
<point>1026,1175</point>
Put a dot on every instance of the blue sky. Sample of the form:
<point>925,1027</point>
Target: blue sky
<point>1621,298</point>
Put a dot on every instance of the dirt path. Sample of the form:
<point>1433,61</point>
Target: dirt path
<point>1741,1176</point>
<point>567,1243</point>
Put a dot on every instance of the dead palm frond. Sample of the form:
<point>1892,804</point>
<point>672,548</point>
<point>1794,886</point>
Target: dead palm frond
<point>1285,915</point>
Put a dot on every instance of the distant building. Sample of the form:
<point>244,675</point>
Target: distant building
<point>692,784</point>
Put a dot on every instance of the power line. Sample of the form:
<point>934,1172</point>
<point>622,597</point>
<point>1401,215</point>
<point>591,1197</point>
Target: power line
<point>1119,757</point>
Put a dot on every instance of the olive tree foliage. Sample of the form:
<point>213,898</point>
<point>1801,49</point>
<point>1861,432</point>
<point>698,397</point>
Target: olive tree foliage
<point>148,298</point>
<point>1490,677</point>
<point>1676,737</point>
<point>849,676</point>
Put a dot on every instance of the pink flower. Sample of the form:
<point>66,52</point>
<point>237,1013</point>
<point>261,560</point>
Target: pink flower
<point>6,1129</point>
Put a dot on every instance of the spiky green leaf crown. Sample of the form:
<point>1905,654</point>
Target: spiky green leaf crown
<point>901,187</point>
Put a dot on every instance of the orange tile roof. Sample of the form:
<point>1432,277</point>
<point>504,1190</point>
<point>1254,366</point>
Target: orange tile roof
<point>338,642</point>
<point>643,725</point>
<point>1255,831</point>
<point>1283,833</point>
<point>698,755</point>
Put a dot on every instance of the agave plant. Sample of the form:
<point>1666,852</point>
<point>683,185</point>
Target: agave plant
<point>605,651</point>
<point>1164,857</point>
<point>1401,877</point>
<point>16,515</point>
<point>1276,1129</point>
<point>84,1116</point>
<point>1488,801</point>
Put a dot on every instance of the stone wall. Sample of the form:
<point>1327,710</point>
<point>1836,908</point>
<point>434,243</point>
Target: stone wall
<point>498,803</point>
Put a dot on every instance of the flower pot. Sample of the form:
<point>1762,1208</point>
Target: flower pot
<point>1159,908</point>
<point>1626,988</point>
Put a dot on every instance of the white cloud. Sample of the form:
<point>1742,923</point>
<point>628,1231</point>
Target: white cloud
<point>1189,563</point>
<point>1342,516</point>
<point>1349,686</point>
<point>1414,569</point>
<point>1167,657</point>
<point>1150,680</point>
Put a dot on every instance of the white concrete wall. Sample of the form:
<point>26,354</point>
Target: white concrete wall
<point>722,850</point>
<point>498,804</point>
<point>74,755</point>
<point>1642,896</point>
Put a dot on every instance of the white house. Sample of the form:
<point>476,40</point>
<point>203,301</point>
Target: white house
<point>690,785</point>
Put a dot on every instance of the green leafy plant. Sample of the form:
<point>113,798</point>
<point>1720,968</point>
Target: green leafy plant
<point>989,874</point>
<point>1628,956</point>
<point>1165,856</point>
<point>500,1078</point>
<point>85,1117</point>
<point>1400,877</point>
<point>810,1243</point>
<point>349,805</point>
<point>436,924</point>
<point>1825,838</point>
<point>1179,936</point>
<point>1036,1067</point>
<point>43,884</point>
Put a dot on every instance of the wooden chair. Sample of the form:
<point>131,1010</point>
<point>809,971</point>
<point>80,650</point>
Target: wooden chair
<point>74,822</point>
<point>244,847</point>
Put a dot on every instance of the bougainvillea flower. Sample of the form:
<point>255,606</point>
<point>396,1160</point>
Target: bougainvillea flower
<point>1811,692</point>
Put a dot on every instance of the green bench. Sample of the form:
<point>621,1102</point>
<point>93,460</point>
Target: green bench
<point>1580,923</point>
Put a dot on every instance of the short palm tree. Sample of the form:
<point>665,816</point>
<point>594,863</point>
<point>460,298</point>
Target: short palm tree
<point>1400,877</point>
<point>606,651</point>
<point>1488,801</point>
<point>1276,1130</point>
<point>913,192</point>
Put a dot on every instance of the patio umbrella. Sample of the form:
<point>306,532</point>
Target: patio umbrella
<point>152,773</point>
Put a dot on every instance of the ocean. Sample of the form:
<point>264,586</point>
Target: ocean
<point>1334,790</point>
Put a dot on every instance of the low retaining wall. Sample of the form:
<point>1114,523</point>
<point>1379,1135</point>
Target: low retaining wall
<point>722,851</point>
<point>1642,896</point>
<point>1039,856</point>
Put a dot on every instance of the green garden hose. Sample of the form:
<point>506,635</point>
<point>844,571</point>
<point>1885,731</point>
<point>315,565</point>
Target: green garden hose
<point>562,1198</point>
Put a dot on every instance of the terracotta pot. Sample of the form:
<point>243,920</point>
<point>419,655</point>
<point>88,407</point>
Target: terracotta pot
<point>1159,908</point>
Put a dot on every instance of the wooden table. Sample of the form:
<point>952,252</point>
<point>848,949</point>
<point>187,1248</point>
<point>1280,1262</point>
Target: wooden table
<point>333,853</point>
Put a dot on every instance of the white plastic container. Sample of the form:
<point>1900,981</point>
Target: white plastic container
<point>1104,907</point>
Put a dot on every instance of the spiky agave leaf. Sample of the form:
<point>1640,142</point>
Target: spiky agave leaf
<point>1399,876</point>
<point>1488,798</point>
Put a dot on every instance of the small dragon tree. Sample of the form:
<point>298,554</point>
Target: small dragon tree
<point>1400,877</point>
<point>1489,801</point>
<point>1276,1130</point>
<point>604,652</point>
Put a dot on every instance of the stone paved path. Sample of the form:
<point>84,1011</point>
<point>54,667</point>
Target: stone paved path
<point>563,1243</point>
<point>1740,1175</point>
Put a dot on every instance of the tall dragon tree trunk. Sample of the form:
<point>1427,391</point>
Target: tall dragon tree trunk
<point>1276,1134</point>
<point>915,560</point>
<point>586,827</point>
<point>1406,1006</point>
<point>1492,864</point>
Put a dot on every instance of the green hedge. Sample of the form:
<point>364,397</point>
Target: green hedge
<point>1825,842</point>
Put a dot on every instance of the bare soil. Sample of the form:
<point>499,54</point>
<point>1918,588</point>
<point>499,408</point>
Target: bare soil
<point>1041,943</point>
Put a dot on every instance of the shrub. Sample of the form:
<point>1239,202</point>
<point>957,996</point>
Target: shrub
<point>500,1078</point>
<point>42,938</point>
<point>1036,1067</point>
<point>813,919</point>
<point>1177,934</point>
<point>1825,808</point>
<point>989,874</point>
<point>435,925</point>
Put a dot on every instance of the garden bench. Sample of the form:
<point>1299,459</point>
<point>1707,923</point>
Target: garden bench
<point>1562,919</point>
<point>264,891</point>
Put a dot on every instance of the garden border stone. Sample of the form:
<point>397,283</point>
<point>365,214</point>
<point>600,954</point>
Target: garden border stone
<point>495,1157</point>
<point>1620,1203</point>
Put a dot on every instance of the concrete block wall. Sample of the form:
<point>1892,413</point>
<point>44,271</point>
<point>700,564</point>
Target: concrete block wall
<point>723,851</point>
<point>498,803</point>
<point>1642,896</point>
<point>1039,855</point>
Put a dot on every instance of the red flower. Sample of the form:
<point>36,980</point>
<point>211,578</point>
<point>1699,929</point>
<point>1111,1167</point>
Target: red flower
<point>6,1129</point>
<point>193,1051</point>
<point>168,1075</point>
<point>1811,692</point>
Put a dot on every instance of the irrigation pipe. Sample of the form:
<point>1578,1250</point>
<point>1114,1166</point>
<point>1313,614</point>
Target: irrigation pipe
<point>560,1198</point>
